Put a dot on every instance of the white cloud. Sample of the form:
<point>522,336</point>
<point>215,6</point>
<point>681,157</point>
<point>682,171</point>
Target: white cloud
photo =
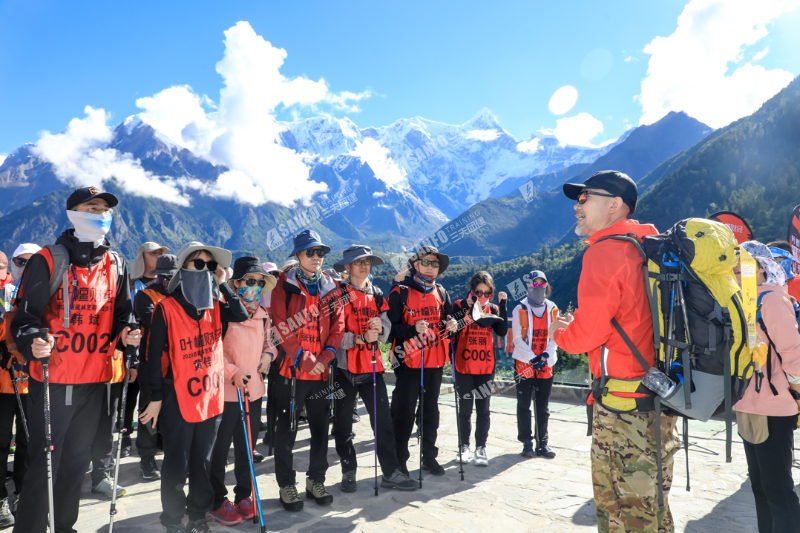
<point>578,130</point>
<point>483,135</point>
<point>563,100</point>
<point>628,59</point>
<point>760,55</point>
<point>530,146</point>
<point>80,158</point>
<point>689,70</point>
<point>377,157</point>
<point>171,110</point>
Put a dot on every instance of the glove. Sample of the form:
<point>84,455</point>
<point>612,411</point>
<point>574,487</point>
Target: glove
<point>539,361</point>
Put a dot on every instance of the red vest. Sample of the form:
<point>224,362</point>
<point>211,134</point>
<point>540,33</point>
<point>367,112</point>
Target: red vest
<point>428,307</point>
<point>83,351</point>
<point>195,354</point>
<point>308,337</point>
<point>538,345</point>
<point>474,351</point>
<point>362,307</point>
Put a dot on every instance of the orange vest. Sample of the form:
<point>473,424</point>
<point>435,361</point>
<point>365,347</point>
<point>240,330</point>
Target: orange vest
<point>83,351</point>
<point>156,297</point>
<point>474,351</point>
<point>356,318</point>
<point>308,338</point>
<point>428,307</point>
<point>538,345</point>
<point>195,353</point>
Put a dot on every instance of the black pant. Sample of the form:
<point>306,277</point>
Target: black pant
<point>312,395</point>
<point>9,409</point>
<point>343,425</point>
<point>130,410</point>
<point>100,450</point>
<point>524,396</point>
<point>770,468</point>
<point>477,387</point>
<point>72,429</point>
<point>187,452</point>
<point>230,429</point>
<point>404,405</point>
<point>146,444</point>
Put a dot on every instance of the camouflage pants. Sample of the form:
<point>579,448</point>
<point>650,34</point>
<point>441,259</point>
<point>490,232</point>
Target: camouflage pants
<point>624,471</point>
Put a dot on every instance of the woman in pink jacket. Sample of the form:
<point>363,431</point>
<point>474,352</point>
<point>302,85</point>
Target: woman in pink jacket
<point>767,414</point>
<point>248,351</point>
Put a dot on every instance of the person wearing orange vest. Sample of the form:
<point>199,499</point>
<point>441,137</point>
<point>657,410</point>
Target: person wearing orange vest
<point>310,327</point>
<point>144,303</point>
<point>187,398</point>
<point>366,322</point>
<point>419,308</point>
<point>475,362</point>
<point>248,351</point>
<point>535,356</point>
<point>99,309</point>
<point>611,287</point>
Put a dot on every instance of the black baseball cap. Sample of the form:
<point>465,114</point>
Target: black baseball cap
<point>87,193</point>
<point>616,183</point>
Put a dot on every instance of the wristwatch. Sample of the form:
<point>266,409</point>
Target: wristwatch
<point>795,394</point>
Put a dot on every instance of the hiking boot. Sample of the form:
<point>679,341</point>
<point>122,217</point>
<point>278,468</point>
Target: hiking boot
<point>399,481</point>
<point>481,459</point>
<point>106,488</point>
<point>289,498</point>
<point>316,491</point>
<point>226,514</point>
<point>197,526</point>
<point>546,452</point>
<point>349,481</point>
<point>246,509</point>
<point>527,449</point>
<point>257,457</point>
<point>149,469</point>
<point>176,528</point>
<point>6,518</point>
<point>434,467</point>
<point>463,456</point>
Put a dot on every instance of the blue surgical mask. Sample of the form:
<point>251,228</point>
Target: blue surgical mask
<point>90,227</point>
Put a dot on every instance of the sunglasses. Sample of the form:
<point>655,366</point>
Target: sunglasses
<point>428,262</point>
<point>319,252</point>
<point>252,282</point>
<point>20,262</point>
<point>481,294</point>
<point>586,194</point>
<point>363,262</point>
<point>536,285</point>
<point>199,264</point>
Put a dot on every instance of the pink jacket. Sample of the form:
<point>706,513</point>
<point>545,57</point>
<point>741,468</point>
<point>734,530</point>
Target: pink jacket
<point>243,344</point>
<point>778,316</point>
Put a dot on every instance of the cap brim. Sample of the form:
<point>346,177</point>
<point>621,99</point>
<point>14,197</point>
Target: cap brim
<point>110,199</point>
<point>573,190</point>
<point>162,272</point>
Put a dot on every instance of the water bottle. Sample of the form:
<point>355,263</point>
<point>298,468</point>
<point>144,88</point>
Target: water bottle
<point>659,382</point>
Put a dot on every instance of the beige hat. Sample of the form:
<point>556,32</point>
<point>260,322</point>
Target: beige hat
<point>137,271</point>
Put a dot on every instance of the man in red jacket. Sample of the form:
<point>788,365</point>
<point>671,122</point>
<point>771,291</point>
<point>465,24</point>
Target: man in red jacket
<point>611,286</point>
<point>309,326</point>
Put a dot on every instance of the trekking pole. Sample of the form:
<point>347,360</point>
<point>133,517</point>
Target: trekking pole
<point>458,419</point>
<point>244,410</point>
<point>375,415</point>
<point>129,351</point>
<point>421,409</point>
<point>14,380</point>
<point>331,402</point>
<point>48,440</point>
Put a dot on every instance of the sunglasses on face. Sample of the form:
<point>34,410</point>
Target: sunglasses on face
<point>428,262</point>
<point>363,262</point>
<point>536,285</point>
<point>200,264</point>
<point>20,262</point>
<point>481,294</point>
<point>319,252</point>
<point>586,194</point>
<point>252,282</point>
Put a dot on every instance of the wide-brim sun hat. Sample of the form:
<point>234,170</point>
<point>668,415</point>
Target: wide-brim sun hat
<point>308,239</point>
<point>354,253</point>
<point>250,265</point>
<point>444,259</point>
<point>221,256</point>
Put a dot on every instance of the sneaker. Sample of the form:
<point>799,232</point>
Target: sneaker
<point>399,481</point>
<point>434,467</point>
<point>463,455</point>
<point>176,528</point>
<point>546,452</point>
<point>257,457</point>
<point>349,481</point>
<point>246,509</point>
<point>527,449</point>
<point>481,458</point>
<point>149,469</point>
<point>226,514</point>
<point>197,526</point>
<point>106,488</point>
<point>289,498</point>
<point>6,518</point>
<point>316,491</point>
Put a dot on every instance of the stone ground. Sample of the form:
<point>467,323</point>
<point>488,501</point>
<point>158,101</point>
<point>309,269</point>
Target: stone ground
<point>511,494</point>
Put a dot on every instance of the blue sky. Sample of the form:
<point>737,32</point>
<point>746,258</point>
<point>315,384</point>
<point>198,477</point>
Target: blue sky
<point>442,61</point>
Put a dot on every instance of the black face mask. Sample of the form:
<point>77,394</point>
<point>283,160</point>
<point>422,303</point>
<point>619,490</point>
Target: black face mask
<point>200,288</point>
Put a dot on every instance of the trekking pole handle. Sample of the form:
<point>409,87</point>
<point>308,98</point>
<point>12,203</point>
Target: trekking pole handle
<point>43,332</point>
<point>129,350</point>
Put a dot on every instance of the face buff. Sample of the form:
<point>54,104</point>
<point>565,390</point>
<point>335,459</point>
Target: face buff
<point>199,288</point>
<point>90,227</point>
<point>250,297</point>
<point>16,272</point>
<point>536,295</point>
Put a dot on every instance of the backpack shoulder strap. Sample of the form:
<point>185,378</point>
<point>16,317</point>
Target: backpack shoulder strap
<point>378,294</point>
<point>60,257</point>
